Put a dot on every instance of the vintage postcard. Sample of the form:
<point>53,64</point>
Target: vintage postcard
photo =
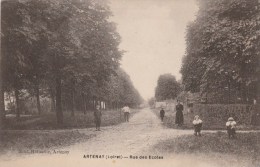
<point>130,83</point>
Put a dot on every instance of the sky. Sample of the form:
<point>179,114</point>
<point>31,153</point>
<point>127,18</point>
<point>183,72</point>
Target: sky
<point>153,36</point>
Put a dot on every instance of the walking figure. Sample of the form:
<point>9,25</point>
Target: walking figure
<point>162,112</point>
<point>197,122</point>
<point>179,114</point>
<point>231,127</point>
<point>97,115</point>
<point>126,111</point>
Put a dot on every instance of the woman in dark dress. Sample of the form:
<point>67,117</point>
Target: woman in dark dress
<point>179,114</point>
<point>162,112</point>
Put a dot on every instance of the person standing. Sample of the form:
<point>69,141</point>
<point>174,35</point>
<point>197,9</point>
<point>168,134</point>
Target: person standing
<point>97,116</point>
<point>162,112</point>
<point>231,127</point>
<point>179,114</point>
<point>197,122</point>
<point>126,111</point>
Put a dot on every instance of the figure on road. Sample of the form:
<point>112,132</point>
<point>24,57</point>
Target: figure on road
<point>126,111</point>
<point>162,112</point>
<point>97,115</point>
<point>197,122</point>
<point>179,114</point>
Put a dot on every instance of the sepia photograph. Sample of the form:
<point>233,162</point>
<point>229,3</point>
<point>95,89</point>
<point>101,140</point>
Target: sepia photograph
<point>129,83</point>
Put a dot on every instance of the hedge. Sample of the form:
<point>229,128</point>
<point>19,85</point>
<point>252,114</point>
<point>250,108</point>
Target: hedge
<point>243,114</point>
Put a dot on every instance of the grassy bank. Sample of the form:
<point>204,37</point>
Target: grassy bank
<point>48,120</point>
<point>169,121</point>
<point>17,141</point>
<point>246,145</point>
<point>42,132</point>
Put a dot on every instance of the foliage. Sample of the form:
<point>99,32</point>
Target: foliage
<point>66,50</point>
<point>151,102</point>
<point>214,113</point>
<point>167,87</point>
<point>222,54</point>
<point>121,89</point>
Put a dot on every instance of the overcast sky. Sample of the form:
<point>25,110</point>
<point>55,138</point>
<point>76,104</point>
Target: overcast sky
<point>153,36</point>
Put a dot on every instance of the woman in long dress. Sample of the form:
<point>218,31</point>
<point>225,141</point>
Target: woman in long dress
<point>179,114</point>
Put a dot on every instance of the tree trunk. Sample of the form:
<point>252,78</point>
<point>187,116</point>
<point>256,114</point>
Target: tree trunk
<point>84,104</point>
<point>72,103</point>
<point>2,99</point>
<point>17,101</point>
<point>59,113</point>
<point>258,94</point>
<point>38,99</point>
<point>244,94</point>
<point>53,105</point>
<point>2,106</point>
<point>108,105</point>
<point>93,104</point>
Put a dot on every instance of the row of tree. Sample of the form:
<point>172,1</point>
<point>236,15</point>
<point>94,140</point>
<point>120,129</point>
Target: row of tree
<point>222,55</point>
<point>65,50</point>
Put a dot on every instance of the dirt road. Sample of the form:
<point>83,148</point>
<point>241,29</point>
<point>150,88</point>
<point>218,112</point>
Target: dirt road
<point>129,138</point>
<point>135,138</point>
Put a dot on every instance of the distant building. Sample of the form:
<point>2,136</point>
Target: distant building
<point>9,100</point>
<point>166,104</point>
<point>160,104</point>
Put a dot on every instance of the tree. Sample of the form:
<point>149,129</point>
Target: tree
<point>16,38</point>
<point>2,103</point>
<point>151,102</point>
<point>121,90</point>
<point>66,50</point>
<point>167,87</point>
<point>86,47</point>
<point>222,54</point>
<point>58,43</point>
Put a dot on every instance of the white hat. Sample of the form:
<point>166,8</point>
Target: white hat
<point>230,119</point>
<point>196,116</point>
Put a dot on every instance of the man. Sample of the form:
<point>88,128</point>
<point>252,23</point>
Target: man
<point>97,115</point>
<point>179,114</point>
<point>126,111</point>
<point>162,112</point>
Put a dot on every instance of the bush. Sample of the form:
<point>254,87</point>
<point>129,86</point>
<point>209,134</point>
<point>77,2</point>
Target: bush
<point>212,113</point>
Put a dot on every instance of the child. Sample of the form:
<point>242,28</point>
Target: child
<point>197,122</point>
<point>231,127</point>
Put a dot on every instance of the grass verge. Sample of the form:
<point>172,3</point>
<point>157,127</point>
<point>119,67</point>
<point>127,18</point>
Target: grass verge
<point>41,132</point>
<point>47,121</point>
<point>246,145</point>
<point>17,141</point>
